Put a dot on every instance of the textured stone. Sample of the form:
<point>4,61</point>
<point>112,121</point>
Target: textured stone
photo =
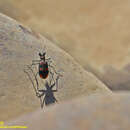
<point>19,46</point>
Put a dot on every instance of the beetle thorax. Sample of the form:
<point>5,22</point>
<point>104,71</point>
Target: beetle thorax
<point>42,62</point>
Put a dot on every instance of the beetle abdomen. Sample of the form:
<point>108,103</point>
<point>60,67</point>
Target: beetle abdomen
<point>43,70</point>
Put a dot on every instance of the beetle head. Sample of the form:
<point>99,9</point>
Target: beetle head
<point>42,56</point>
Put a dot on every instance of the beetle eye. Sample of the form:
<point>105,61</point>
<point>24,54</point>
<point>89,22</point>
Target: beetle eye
<point>40,54</point>
<point>44,53</point>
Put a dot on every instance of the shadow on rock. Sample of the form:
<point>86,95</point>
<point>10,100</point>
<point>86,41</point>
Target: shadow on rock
<point>47,96</point>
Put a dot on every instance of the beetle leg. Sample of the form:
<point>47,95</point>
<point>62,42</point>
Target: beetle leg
<point>55,71</point>
<point>36,60</point>
<point>35,89</point>
<point>52,77</point>
<point>34,63</point>
<point>35,76</point>
<point>53,68</point>
<point>43,102</point>
<point>31,81</point>
<point>49,61</point>
<point>57,81</point>
<point>57,74</point>
<point>37,81</point>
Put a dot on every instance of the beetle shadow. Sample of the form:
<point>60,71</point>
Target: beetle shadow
<point>47,95</point>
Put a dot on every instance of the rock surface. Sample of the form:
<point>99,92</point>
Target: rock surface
<point>95,112</point>
<point>18,47</point>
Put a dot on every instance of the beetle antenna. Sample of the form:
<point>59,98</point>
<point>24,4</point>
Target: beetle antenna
<point>44,49</point>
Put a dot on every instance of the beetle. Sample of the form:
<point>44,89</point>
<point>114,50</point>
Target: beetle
<point>44,70</point>
<point>43,66</point>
